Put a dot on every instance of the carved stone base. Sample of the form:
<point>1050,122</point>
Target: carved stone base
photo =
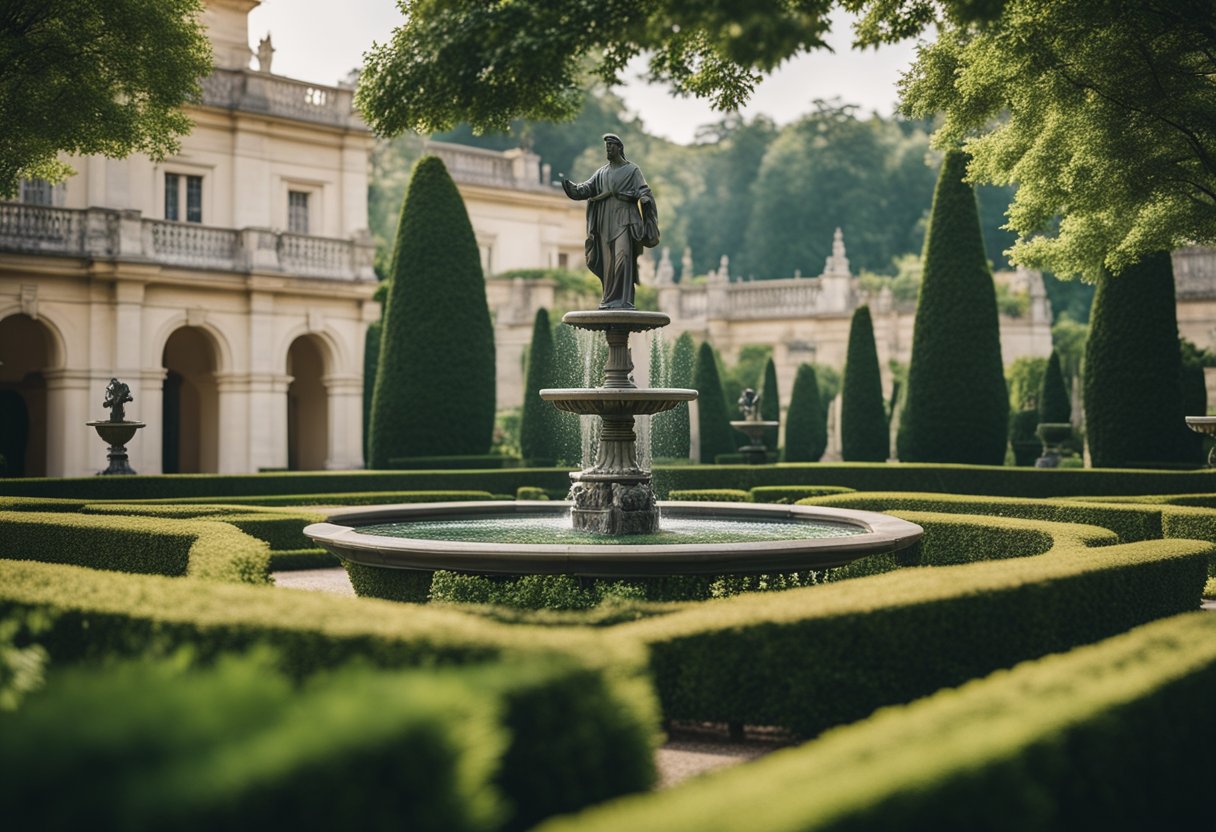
<point>614,508</point>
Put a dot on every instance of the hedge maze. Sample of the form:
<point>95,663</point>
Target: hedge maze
<point>1034,662</point>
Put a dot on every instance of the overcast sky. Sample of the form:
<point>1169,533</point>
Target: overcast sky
<point>322,40</point>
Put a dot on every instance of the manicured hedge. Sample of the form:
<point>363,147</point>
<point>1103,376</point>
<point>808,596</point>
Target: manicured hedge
<point>809,659</point>
<point>1091,739</point>
<point>950,479</point>
<point>364,498</point>
<point>482,748</point>
<point>794,493</point>
<point>444,463</point>
<point>147,545</point>
<point>282,530</point>
<point>711,495</point>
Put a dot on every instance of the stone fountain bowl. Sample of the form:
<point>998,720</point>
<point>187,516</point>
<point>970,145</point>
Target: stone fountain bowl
<point>115,433</point>
<point>1202,424</point>
<point>633,320</point>
<point>744,424</point>
<point>867,533</point>
<point>624,401</point>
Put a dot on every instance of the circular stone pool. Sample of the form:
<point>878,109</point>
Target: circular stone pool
<point>520,538</point>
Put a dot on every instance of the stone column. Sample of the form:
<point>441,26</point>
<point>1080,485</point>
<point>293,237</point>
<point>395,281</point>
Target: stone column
<point>232,451</point>
<point>344,397</point>
<point>73,449</point>
<point>268,420</point>
<point>149,442</point>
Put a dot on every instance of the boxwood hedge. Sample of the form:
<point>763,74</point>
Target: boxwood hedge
<point>1091,739</point>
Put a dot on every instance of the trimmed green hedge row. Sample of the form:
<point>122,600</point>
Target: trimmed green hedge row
<point>148,545</point>
<point>148,745</point>
<point>794,493</point>
<point>447,463</point>
<point>809,659</point>
<point>862,476</point>
<point>282,530</point>
<point>1091,739</point>
<point>711,495</point>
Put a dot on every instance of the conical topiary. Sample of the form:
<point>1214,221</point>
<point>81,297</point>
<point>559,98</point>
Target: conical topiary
<point>863,417</point>
<point>1133,366</point>
<point>712,421</point>
<point>434,392</point>
<point>371,360</point>
<point>1054,404</point>
<point>569,371</point>
<point>538,427</point>
<point>770,404</point>
<point>956,407</point>
<point>806,430</point>
<point>674,436</point>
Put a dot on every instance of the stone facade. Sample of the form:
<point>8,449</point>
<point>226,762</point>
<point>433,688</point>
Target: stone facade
<point>230,286</point>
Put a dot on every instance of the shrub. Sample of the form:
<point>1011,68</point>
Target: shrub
<point>1054,405</point>
<point>444,463</point>
<point>528,492</point>
<point>674,441</point>
<point>347,498</point>
<point>148,545</point>
<point>864,435</point>
<point>282,530</point>
<point>434,391</point>
<point>711,495</point>
<point>1133,392</point>
<point>1087,739</point>
<point>806,430</point>
<point>1022,437</point>
<point>793,493</point>
<point>371,361</point>
<point>770,404</point>
<point>712,422</point>
<point>569,368</point>
<point>957,408</point>
<point>538,428</point>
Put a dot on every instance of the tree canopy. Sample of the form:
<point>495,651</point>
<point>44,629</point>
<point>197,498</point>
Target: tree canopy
<point>1099,111</point>
<point>94,77</point>
<point>1102,112</point>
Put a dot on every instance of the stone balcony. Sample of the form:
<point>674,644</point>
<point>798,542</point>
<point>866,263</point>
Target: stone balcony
<point>110,233</point>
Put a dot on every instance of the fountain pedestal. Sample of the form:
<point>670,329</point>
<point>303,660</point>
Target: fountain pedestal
<point>615,496</point>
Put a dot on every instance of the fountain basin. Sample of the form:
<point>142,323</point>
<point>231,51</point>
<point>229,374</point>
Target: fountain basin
<point>857,534</point>
<point>625,401</point>
<point>115,433</point>
<point>602,320</point>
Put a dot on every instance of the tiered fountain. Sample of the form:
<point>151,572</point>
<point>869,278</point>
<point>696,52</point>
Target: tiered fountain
<point>615,496</point>
<point>611,526</point>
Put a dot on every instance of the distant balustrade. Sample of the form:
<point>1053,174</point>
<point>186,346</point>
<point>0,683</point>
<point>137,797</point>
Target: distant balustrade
<point>257,92</point>
<point>516,169</point>
<point>1195,272</point>
<point>100,232</point>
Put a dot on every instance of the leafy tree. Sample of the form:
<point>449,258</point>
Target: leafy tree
<point>712,421</point>
<point>770,404</point>
<point>569,373</point>
<point>1133,365</point>
<point>864,435</point>
<point>538,429</point>
<point>95,76</point>
<point>806,429</point>
<point>957,408</point>
<point>434,392</point>
<point>1054,404</point>
<point>1105,119</point>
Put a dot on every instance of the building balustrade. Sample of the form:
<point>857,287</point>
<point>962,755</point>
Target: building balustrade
<point>258,92</point>
<point>104,232</point>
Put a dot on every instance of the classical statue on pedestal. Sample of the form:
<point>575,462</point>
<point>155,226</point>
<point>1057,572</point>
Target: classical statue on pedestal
<point>621,219</point>
<point>117,394</point>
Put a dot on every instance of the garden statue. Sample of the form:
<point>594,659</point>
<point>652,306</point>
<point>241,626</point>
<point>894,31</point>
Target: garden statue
<point>621,219</point>
<point>117,431</point>
<point>117,394</point>
<point>749,405</point>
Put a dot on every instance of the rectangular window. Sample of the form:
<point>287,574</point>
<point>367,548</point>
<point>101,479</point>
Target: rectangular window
<point>192,209</point>
<point>297,212</point>
<point>171,196</point>
<point>37,192</point>
<point>194,199</point>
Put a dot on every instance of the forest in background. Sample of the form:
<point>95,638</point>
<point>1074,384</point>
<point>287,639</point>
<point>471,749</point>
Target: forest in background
<point>767,196</point>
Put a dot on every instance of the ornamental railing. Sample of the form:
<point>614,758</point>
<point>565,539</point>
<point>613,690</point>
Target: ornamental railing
<point>108,233</point>
<point>258,92</point>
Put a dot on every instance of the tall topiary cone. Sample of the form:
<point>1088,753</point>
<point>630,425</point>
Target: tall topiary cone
<point>863,416</point>
<point>1054,404</point>
<point>712,421</point>
<point>770,404</point>
<point>806,430</point>
<point>957,408</point>
<point>568,367</point>
<point>371,360</point>
<point>678,441</point>
<point>434,393</point>
<point>1133,366</point>
<point>538,439</point>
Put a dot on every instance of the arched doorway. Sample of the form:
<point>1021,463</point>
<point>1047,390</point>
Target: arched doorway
<point>26,350</point>
<point>190,407</point>
<point>307,406</point>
